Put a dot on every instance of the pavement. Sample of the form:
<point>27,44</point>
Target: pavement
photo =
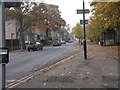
<point>15,51</point>
<point>100,70</point>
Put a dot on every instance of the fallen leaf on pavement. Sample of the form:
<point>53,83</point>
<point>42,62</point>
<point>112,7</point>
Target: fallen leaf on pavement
<point>60,85</point>
<point>69,72</point>
<point>80,74</point>
<point>105,84</point>
<point>86,77</point>
<point>87,72</point>
<point>111,73</point>
<point>45,84</point>
<point>91,83</point>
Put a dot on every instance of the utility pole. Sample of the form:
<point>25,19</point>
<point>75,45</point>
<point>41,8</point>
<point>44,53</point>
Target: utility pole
<point>85,48</point>
<point>2,44</point>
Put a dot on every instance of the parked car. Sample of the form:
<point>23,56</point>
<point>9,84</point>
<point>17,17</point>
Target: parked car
<point>35,46</point>
<point>63,42</point>
<point>70,41</point>
<point>57,43</point>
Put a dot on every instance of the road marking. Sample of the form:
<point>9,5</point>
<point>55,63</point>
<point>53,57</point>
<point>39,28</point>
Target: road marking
<point>9,81</point>
<point>31,76</point>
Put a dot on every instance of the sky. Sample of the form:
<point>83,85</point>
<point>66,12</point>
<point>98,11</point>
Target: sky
<point>68,9</point>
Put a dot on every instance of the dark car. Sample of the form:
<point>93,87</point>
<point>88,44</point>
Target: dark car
<point>35,46</point>
<point>70,41</point>
<point>57,43</point>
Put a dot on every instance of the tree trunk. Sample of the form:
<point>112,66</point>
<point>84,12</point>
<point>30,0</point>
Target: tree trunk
<point>79,40</point>
<point>47,36</point>
<point>22,41</point>
<point>31,37</point>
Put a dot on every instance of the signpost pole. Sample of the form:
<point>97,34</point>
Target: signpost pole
<point>7,4</point>
<point>85,49</point>
<point>2,44</point>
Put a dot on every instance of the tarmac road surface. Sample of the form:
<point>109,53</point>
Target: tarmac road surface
<point>25,63</point>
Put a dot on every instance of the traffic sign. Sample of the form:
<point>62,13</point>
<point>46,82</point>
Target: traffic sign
<point>81,11</point>
<point>12,34</point>
<point>4,55</point>
<point>12,4</point>
<point>82,22</point>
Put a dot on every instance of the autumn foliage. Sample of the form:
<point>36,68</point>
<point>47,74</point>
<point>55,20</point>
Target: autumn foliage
<point>104,15</point>
<point>32,16</point>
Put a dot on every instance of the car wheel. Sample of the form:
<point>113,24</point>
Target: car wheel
<point>41,49</point>
<point>35,49</point>
<point>38,49</point>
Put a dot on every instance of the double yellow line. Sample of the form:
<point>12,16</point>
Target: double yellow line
<point>31,76</point>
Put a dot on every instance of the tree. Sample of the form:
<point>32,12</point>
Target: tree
<point>48,18</point>
<point>105,15</point>
<point>78,31</point>
<point>108,12</point>
<point>36,16</point>
<point>23,17</point>
<point>94,29</point>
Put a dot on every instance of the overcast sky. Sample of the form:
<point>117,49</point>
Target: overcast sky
<point>68,9</point>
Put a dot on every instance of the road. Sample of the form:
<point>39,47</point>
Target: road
<point>25,63</point>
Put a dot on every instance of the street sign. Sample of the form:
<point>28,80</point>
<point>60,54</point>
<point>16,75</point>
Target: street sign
<point>12,34</point>
<point>82,22</point>
<point>80,11</point>
<point>4,55</point>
